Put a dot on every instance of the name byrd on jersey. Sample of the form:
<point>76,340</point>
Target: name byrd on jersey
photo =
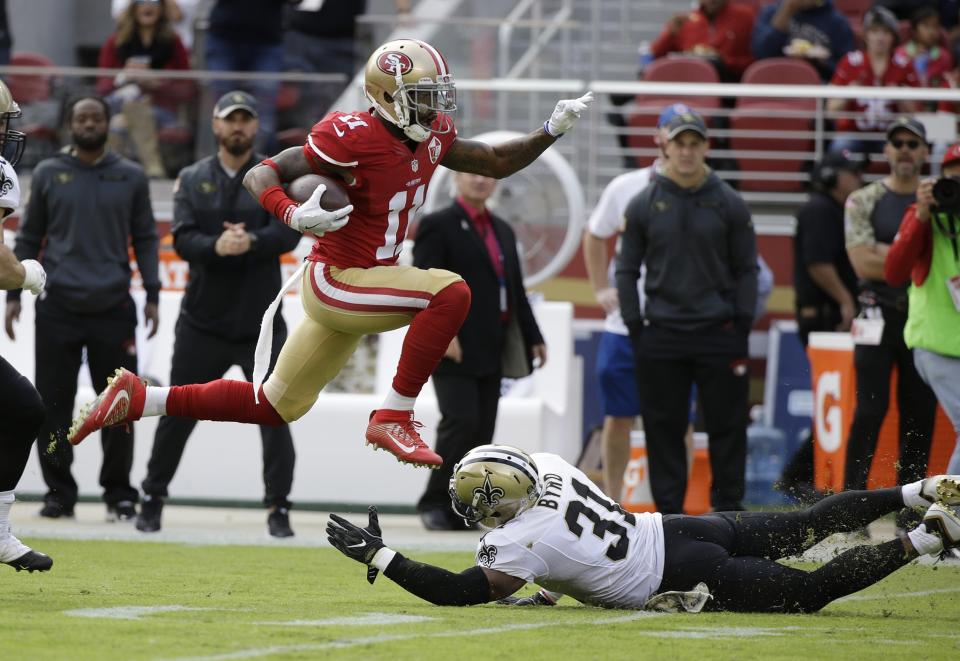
<point>578,542</point>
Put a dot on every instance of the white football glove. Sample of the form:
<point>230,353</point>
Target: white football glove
<point>35,277</point>
<point>311,217</point>
<point>566,114</point>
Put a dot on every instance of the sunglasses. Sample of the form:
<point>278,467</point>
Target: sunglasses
<point>911,144</point>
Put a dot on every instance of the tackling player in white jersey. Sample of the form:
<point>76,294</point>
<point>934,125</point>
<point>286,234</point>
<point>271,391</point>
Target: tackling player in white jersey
<point>550,525</point>
<point>21,409</point>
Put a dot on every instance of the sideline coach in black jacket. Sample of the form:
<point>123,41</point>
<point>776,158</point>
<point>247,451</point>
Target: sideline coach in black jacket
<point>233,247</point>
<point>499,337</point>
<point>696,238</point>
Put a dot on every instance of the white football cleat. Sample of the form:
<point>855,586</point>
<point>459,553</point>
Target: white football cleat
<point>943,489</point>
<point>944,522</point>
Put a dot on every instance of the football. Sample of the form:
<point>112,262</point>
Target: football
<point>335,197</point>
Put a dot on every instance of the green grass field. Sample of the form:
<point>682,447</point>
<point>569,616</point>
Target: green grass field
<point>128,600</point>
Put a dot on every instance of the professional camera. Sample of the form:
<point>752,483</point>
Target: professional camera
<point>946,193</point>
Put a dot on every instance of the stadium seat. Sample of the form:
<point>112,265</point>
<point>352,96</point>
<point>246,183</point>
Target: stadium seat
<point>34,94</point>
<point>774,117</point>
<point>647,107</point>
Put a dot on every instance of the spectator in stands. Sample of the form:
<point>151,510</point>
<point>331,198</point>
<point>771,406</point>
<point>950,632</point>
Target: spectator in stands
<point>812,30</point>
<point>500,335</point>
<point>926,250</point>
<point>875,66</point>
<point>701,295</point>
<point>925,49</point>
<point>143,40</point>
<point>182,15</point>
<point>321,38</point>
<point>715,30</point>
<point>247,35</point>
<point>872,219</point>
<point>87,206</point>
<point>824,281</point>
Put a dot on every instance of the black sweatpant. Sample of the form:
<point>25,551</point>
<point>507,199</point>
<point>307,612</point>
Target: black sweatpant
<point>21,415</point>
<point>915,400</point>
<point>199,357</point>
<point>734,553</point>
<point>110,341</point>
<point>468,406</point>
<point>665,380</point>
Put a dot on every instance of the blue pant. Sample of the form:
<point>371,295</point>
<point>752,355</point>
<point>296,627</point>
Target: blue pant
<point>942,374</point>
<point>235,55</point>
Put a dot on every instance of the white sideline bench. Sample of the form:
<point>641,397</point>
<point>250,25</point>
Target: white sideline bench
<point>222,460</point>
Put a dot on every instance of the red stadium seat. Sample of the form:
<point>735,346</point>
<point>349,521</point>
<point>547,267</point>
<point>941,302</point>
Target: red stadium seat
<point>649,106</point>
<point>774,117</point>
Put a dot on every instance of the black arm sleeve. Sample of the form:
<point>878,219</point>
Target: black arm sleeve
<point>437,585</point>
<point>633,248</point>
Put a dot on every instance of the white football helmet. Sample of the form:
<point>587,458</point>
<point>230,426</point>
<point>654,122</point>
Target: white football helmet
<point>494,483</point>
<point>11,142</point>
<point>409,84</point>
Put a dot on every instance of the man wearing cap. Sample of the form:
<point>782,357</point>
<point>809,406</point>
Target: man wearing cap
<point>872,219</point>
<point>926,251</point>
<point>694,235</point>
<point>615,360</point>
<point>877,65</point>
<point>824,282</point>
<point>233,247</point>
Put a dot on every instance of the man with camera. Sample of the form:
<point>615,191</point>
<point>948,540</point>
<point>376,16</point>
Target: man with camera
<point>927,251</point>
<point>872,219</point>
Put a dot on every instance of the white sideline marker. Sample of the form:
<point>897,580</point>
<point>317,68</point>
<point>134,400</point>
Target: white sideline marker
<point>132,612</point>
<point>370,619</point>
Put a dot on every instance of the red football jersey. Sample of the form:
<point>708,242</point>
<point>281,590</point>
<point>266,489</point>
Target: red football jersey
<point>854,69</point>
<point>390,185</point>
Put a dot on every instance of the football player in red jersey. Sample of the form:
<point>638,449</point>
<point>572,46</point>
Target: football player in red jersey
<point>351,283</point>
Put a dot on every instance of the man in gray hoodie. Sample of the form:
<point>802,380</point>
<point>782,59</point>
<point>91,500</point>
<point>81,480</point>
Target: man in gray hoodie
<point>695,236</point>
<point>86,206</point>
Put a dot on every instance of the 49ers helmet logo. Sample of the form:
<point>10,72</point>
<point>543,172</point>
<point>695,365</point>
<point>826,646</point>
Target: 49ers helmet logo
<point>390,61</point>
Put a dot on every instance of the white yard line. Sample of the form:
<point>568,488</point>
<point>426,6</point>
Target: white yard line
<point>896,595</point>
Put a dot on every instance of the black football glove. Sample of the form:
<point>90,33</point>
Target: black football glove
<point>355,542</point>
<point>534,600</point>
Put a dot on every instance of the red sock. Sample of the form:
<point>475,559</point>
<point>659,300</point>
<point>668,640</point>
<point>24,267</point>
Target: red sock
<point>222,399</point>
<point>428,337</point>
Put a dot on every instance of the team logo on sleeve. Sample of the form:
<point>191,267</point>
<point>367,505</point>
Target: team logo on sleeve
<point>434,149</point>
<point>488,494</point>
<point>6,183</point>
<point>487,555</point>
<point>392,61</point>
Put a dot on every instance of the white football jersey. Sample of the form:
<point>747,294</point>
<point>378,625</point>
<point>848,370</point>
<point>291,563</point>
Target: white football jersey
<point>607,220</point>
<point>578,542</point>
<point>9,189</point>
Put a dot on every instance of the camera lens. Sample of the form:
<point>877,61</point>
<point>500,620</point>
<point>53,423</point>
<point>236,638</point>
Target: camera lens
<point>946,192</point>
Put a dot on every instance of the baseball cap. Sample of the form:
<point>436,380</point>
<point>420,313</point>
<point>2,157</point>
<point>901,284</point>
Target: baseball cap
<point>824,172</point>
<point>672,111</point>
<point>687,121</point>
<point>907,124</point>
<point>952,155</point>
<point>235,100</point>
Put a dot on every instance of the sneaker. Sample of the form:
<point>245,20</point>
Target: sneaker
<point>396,432</point>
<point>123,510</point>
<point>941,489</point>
<point>18,555</point>
<point>151,511</point>
<point>944,522</point>
<point>278,523</point>
<point>54,510</point>
<point>119,403</point>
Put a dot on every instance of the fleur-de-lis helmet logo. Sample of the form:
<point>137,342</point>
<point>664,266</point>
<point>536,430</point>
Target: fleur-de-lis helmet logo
<point>488,494</point>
